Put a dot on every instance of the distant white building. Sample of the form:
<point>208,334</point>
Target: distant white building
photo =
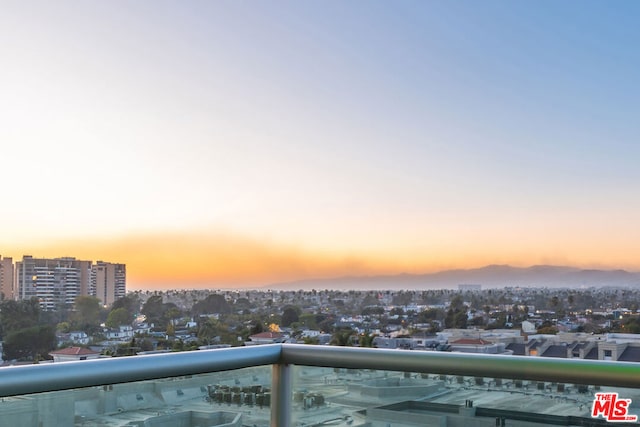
<point>528,327</point>
<point>76,337</point>
<point>123,333</point>
<point>470,287</point>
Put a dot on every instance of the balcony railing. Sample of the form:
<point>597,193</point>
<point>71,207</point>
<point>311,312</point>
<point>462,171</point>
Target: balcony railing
<point>56,377</point>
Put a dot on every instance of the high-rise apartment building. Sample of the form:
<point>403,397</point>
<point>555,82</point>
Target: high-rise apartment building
<point>6,278</point>
<point>55,282</point>
<point>108,281</point>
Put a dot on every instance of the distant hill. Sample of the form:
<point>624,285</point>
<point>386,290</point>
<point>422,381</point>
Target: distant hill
<point>491,276</point>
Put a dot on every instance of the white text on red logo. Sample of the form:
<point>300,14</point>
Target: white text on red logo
<point>612,408</point>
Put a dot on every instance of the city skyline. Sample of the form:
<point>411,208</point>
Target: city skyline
<point>240,144</point>
<point>59,282</point>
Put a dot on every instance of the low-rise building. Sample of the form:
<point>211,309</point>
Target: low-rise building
<point>122,333</point>
<point>476,345</point>
<point>75,337</point>
<point>73,354</point>
<point>266,338</point>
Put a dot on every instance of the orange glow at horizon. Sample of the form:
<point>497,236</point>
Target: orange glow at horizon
<point>195,260</point>
<point>219,259</point>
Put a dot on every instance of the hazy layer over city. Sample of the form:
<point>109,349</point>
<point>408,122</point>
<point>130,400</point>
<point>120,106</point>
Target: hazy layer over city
<point>244,143</point>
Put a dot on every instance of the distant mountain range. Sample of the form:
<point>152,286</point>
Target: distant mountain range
<point>491,276</point>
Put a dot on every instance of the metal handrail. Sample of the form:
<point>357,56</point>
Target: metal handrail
<point>578,371</point>
<point>29,379</point>
<point>22,380</point>
<point>19,380</point>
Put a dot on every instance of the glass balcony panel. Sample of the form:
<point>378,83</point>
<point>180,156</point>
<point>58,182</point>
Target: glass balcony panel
<point>375,398</point>
<point>320,385</point>
<point>229,398</point>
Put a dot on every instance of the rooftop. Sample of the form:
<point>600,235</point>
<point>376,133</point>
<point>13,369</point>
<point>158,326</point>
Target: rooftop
<point>74,351</point>
<point>470,341</point>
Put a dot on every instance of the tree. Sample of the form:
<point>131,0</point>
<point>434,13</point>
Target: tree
<point>326,324</point>
<point>478,321</point>
<point>16,315</point>
<point>396,311</point>
<point>366,340</point>
<point>24,337</point>
<point>243,304</point>
<point>212,304</point>
<point>308,320</point>
<point>208,330</point>
<point>33,343</point>
<point>63,327</point>
<point>402,298</point>
<point>153,310</point>
<point>171,330</point>
<point>430,315</point>
<point>460,320</point>
<point>118,317</point>
<point>87,314</point>
<point>290,315</point>
<point>548,330</point>
<point>131,303</point>
<point>370,299</point>
<point>178,345</point>
<point>128,349</point>
<point>172,312</point>
<point>160,314</point>
<point>457,303</point>
<point>342,337</point>
<point>457,314</point>
<point>311,340</point>
<point>145,345</point>
<point>631,325</point>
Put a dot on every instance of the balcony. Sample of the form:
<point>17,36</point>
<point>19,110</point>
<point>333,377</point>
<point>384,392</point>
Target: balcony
<point>296,385</point>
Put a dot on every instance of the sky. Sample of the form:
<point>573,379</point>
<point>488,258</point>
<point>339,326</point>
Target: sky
<point>240,143</point>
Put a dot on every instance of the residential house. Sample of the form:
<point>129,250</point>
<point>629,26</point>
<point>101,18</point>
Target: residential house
<point>73,354</point>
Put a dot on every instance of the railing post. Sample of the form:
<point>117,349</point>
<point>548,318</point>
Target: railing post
<point>281,387</point>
